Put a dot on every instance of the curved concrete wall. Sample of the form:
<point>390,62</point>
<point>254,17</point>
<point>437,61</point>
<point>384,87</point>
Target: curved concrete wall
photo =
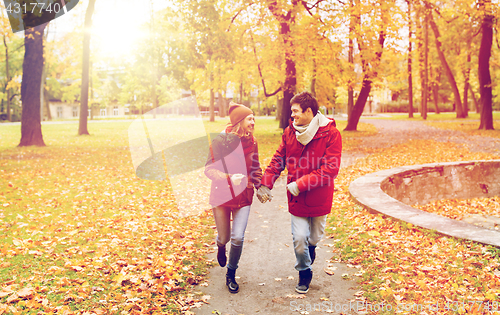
<point>425,183</point>
<point>390,191</point>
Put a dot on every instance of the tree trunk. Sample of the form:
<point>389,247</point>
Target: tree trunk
<point>425,83</point>
<point>7,77</point>
<point>419,35</point>
<point>350,89</point>
<point>288,93</point>
<point>211,106</point>
<point>435,91</point>
<point>466,85</point>
<point>289,86</point>
<point>357,110</point>
<point>484,69</point>
<point>448,72</point>
<point>42,87</point>
<point>91,100</point>
<point>353,119</point>
<point>47,106</point>
<point>474,99</point>
<point>410,80</point>
<point>84,94</point>
<point>315,73</point>
<point>279,107</point>
<point>222,105</point>
<point>154,77</point>
<point>44,80</point>
<point>31,128</point>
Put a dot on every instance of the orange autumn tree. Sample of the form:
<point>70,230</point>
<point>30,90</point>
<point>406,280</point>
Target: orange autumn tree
<point>375,21</point>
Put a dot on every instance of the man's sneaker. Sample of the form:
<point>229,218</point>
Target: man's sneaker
<point>312,253</point>
<point>221,255</point>
<point>305,277</point>
<point>231,281</point>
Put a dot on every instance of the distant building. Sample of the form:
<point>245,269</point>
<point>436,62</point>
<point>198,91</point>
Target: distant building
<point>60,110</point>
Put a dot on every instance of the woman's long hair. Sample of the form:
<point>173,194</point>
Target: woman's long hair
<point>238,130</point>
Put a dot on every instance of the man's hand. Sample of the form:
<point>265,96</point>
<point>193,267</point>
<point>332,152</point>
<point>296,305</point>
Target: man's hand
<point>237,178</point>
<point>293,188</point>
<point>264,194</point>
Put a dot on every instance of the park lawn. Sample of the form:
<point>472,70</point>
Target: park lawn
<point>469,127</point>
<point>81,232</point>
<point>405,265</point>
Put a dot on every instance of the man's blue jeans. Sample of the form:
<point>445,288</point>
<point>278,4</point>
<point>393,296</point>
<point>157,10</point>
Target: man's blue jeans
<point>306,231</point>
<point>236,233</point>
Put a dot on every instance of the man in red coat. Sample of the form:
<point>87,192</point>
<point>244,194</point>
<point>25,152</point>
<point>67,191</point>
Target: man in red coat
<point>310,149</point>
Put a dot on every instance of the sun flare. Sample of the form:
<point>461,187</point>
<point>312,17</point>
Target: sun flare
<point>118,27</point>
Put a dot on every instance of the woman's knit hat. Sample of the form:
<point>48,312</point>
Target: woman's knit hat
<point>238,112</point>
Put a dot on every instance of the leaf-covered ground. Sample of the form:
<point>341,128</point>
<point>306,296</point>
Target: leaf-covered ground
<point>469,127</point>
<point>82,234</point>
<point>457,209</point>
<point>404,265</point>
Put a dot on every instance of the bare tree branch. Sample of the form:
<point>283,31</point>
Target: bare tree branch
<point>304,4</point>
<point>234,17</point>
<point>260,71</point>
<point>435,8</point>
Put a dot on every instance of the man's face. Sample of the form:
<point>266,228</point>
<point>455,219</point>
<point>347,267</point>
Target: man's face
<point>301,118</point>
<point>248,124</point>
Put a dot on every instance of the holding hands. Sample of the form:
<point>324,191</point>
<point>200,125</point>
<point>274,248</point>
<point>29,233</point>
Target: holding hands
<point>264,194</point>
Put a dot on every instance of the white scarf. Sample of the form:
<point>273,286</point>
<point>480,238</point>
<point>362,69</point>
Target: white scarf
<point>305,133</point>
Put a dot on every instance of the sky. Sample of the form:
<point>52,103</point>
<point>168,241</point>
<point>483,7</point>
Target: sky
<point>116,25</point>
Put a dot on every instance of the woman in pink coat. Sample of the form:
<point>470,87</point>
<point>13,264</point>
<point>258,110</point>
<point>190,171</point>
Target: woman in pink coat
<point>234,168</point>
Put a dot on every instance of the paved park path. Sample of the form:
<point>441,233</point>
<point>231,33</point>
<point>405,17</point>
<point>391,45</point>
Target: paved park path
<point>391,132</point>
<point>267,277</point>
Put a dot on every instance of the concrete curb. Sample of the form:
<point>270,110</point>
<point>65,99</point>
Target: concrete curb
<point>367,191</point>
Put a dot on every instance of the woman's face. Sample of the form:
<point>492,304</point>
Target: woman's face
<point>248,124</point>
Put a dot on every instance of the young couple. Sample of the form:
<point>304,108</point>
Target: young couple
<point>310,149</point>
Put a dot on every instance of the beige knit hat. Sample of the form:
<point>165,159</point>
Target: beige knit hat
<point>238,112</point>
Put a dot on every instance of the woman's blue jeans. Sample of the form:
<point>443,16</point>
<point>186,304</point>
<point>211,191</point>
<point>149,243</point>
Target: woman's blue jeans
<point>236,233</point>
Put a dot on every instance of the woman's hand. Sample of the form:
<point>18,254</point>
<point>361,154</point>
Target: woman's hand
<point>237,178</point>
<point>264,194</point>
